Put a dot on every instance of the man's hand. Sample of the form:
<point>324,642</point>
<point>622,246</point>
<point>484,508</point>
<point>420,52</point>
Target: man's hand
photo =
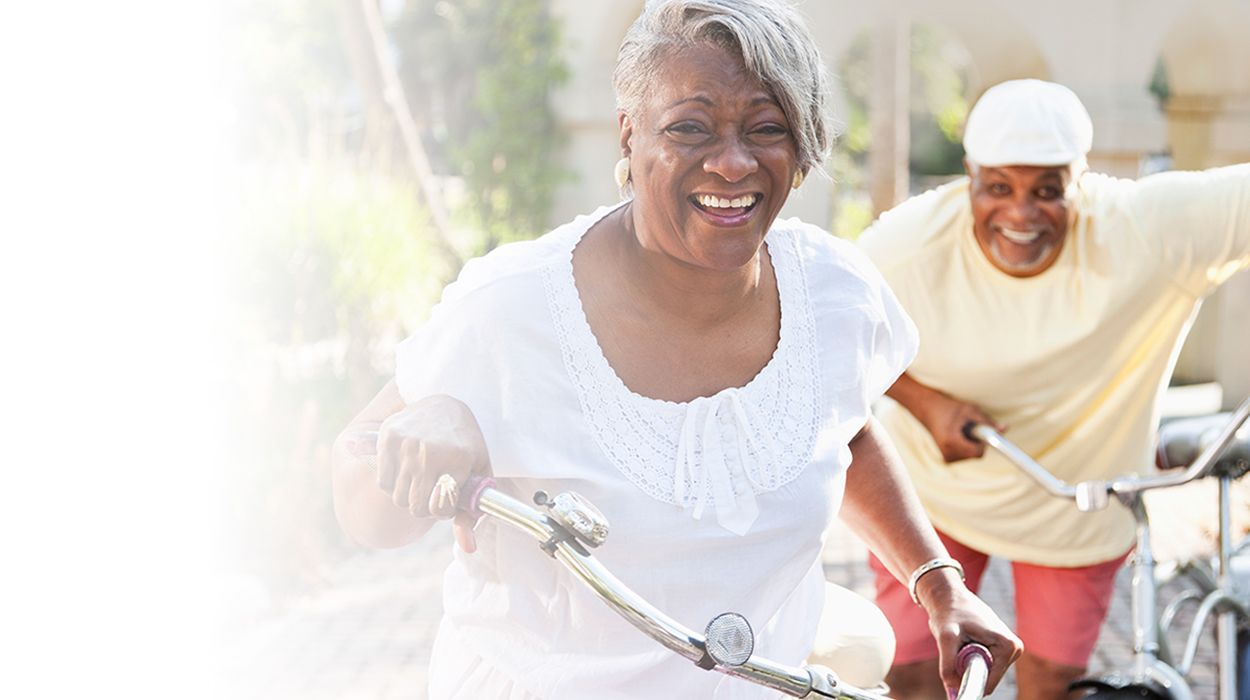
<point>944,417</point>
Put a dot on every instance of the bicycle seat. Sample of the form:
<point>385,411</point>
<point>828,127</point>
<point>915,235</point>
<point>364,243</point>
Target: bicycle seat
<point>853,639</point>
<point>1181,441</point>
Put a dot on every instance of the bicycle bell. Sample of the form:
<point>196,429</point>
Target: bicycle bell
<point>578,515</point>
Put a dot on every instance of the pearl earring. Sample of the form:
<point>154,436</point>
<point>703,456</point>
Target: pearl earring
<point>798,179</point>
<point>621,172</point>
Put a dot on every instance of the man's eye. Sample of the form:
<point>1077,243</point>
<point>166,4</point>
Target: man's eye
<point>998,189</point>
<point>1049,193</point>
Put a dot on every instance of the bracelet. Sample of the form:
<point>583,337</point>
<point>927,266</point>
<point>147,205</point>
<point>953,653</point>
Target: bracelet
<point>931,565</point>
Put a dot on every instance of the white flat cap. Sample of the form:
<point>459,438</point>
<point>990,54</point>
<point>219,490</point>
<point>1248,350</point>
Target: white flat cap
<point>1028,122</point>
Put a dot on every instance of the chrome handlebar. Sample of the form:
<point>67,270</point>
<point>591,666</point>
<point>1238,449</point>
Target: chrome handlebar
<point>726,645</point>
<point>572,525</point>
<point>562,544</point>
<point>1094,495</point>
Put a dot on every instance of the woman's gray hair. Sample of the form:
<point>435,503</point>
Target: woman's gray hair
<point>769,35</point>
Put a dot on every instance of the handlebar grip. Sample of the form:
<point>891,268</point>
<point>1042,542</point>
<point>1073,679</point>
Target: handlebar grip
<point>471,497</point>
<point>969,431</point>
<point>970,650</point>
<point>973,664</point>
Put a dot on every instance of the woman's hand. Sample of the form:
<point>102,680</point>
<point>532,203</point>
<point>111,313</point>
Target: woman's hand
<point>957,617</point>
<point>426,454</point>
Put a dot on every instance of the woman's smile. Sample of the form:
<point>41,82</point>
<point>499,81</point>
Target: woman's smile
<point>727,210</point>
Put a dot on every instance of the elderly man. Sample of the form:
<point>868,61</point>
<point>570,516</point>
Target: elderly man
<point>1052,300</point>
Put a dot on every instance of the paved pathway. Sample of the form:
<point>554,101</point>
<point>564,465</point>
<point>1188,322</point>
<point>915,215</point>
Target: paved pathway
<point>366,634</point>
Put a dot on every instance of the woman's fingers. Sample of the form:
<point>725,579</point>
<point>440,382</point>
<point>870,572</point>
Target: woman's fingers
<point>389,457</point>
<point>416,496</point>
<point>405,479</point>
<point>426,453</point>
<point>444,497</point>
<point>949,651</point>
<point>970,620</point>
<point>1003,653</point>
<point>463,526</point>
<point>442,473</point>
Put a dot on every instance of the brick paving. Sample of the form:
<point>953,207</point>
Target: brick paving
<point>366,634</point>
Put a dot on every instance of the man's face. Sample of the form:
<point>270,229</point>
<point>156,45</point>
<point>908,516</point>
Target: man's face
<point>1020,215</point>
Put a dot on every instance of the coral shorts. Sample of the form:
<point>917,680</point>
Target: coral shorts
<point>1059,611</point>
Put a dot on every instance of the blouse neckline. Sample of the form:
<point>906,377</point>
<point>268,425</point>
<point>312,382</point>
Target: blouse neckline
<point>581,323</point>
<point>713,453</point>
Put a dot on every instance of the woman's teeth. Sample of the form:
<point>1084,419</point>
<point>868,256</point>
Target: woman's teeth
<point>714,202</point>
<point>1020,237</point>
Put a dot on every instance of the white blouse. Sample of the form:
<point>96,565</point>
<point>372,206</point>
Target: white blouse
<point>718,504</point>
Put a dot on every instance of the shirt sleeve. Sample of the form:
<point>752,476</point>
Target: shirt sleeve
<point>867,338</point>
<point>449,355</point>
<point>895,341</point>
<point>465,349</point>
<point>1200,222</point>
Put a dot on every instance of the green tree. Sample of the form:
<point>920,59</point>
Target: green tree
<point>937,108</point>
<point>482,73</point>
<point>335,256</point>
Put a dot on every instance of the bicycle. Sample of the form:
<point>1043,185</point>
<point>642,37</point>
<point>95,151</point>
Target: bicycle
<point>1213,446</point>
<point>572,526</point>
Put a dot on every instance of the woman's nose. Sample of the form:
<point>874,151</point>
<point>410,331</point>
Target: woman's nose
<point>732,161</point>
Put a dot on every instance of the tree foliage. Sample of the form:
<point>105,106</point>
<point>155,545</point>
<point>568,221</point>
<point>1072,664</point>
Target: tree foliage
<point>334,260</point>
<point>480,74</point>
<point>938,104</point>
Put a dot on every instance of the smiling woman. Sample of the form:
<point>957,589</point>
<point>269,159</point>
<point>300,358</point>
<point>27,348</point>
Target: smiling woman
<point>699,370</point>
<point>711,160</point>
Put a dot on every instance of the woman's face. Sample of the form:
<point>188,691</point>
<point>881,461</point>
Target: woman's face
<point>711,160</point>
<point>1020,216</point>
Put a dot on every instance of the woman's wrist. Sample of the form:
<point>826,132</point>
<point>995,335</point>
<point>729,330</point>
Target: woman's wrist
<point>939,588</point>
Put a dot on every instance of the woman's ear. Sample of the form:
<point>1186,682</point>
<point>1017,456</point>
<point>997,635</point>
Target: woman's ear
<point>627,130</point>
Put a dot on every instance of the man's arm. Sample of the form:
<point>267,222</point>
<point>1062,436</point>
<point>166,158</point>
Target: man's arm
<point>943,416</point>
<point>1201,219</point>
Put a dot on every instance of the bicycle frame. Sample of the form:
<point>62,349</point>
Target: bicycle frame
<point>1220,592</point>
<point>1148,668</point>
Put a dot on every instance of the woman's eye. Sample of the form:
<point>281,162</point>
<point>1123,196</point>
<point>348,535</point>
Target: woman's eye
<point>1049,193</point>
<point>769,134</point>
<point>686,129</point>
<point>998,189</point>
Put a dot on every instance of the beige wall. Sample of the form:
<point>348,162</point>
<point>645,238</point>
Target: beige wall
<point>1105,50</point>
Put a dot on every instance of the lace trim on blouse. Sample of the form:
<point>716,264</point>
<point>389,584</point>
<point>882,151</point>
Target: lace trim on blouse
<point>714,453</point>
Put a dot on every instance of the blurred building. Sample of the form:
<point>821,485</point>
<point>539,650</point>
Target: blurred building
<point>1158,77</point>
